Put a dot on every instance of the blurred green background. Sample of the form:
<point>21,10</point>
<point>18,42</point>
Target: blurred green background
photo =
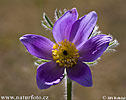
<point>17,71</point>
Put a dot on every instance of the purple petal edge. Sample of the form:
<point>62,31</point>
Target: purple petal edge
<point>82,28</point>
<point>63,25</point>
<point>80,73</point>
<point>38,46</point>
<point>93,48</point>
<point>49,74</point>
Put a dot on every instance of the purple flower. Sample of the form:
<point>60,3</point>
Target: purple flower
<point>72,48</point>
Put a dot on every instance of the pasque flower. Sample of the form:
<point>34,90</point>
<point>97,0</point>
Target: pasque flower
<point>72,48</point>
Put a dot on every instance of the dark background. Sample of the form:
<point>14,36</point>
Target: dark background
<point>17,70</point>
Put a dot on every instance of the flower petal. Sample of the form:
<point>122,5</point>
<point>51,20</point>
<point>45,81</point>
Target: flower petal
<point>94,47</point>
<point>62,27</point>
<point>38,46</point>
<point>82,28</point>
<point>81,74</point>
<point>49,74</point>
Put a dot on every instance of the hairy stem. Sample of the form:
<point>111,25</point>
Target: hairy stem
<point>69,89</point>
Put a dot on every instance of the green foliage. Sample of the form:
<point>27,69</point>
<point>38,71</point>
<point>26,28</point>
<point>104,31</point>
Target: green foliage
<point>59,13</point>
<point>40,61</point>
<point>114,43</point>
<point>91,63</point>
<point>95,31</point>
<point>47,23</point>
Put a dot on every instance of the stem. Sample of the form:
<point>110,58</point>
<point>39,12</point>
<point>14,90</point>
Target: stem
<point>69,89</point>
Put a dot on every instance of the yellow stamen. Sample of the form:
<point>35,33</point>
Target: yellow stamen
<point>65,53</point>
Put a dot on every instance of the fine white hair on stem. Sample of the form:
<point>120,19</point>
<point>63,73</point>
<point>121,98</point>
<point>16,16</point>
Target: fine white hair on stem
<point>65,84</point>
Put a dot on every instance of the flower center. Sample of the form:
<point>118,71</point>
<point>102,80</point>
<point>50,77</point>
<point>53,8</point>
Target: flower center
<point>65,53</point>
